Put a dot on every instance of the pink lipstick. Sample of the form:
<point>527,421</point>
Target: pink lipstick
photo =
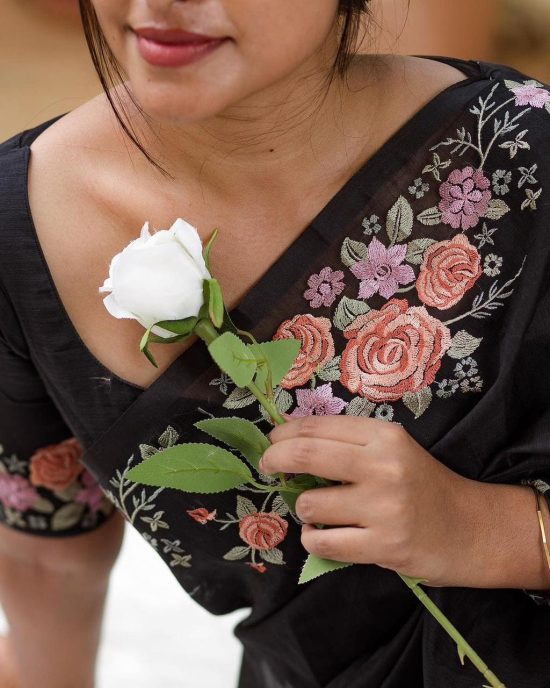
<point>174,47</point>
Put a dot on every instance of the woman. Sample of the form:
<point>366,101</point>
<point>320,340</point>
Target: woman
<point>378,209</point>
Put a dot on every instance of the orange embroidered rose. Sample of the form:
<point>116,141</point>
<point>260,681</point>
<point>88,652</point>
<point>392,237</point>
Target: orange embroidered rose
<point>391,351</point>
<point>57,466</point>
<point>448,270</point>
<point>202,515</point>
<point>263,530</point>
<point>317,347</point>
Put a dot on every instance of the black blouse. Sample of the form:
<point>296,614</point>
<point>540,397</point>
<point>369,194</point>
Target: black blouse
<point>421,295</point>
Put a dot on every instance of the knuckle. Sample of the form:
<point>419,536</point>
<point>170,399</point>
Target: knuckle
<point>303,507</point>
<point>309,425</point>
<point>302,455</point>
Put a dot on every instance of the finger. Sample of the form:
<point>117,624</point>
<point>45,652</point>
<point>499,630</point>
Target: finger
<point>355,429</point>
<point>325,458</point>
<point>355,545</point>
<point>332,506</point>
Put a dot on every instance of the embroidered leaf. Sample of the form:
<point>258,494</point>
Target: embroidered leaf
<point>192,467</point>
<point>67,516</point>
<point>353,251</point>
<point>237,553</point>
<point>418,402</point>
<point>146,450</point>
<point>245,506</point>
<point>415,250</point>
<point>497,208</point>
<point>169,437</point>
<point>315,566</point>
<point>347,310</point>
<point>360,407</point>
<point>399,222</point>
<point>233,356</point>
<point>512,84</point>
<point>547,107</point>
<point>69,493</point>
<point>272,556</point>
<point>238,433</point>
<point>463,344</point>
<point>331,371</point>
<point>279,506</point>
<point>215,303</point>
<point>431,216</point>
<point>44,506</point>
<point>239,398</point>
<point>280,354</point>
<point>282,400</point>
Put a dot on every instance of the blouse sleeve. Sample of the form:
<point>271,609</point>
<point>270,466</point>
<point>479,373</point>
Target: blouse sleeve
<point>44,487</point>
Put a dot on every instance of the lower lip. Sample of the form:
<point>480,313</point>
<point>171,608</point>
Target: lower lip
<point>175,54</point>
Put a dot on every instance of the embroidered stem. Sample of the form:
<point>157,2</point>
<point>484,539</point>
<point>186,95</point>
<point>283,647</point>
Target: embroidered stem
<point>465,649</point>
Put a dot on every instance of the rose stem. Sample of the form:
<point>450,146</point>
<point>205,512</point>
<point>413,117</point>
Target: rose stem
<point>208,333</point>
<point>467,649</point>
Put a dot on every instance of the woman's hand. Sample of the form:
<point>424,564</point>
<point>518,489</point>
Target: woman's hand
<point>399,507</point>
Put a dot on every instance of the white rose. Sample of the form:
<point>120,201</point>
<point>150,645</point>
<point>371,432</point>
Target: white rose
<point>158,277</point>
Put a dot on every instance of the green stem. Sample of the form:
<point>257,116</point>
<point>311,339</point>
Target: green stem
<point>443,621</point>
<point>277,488</point>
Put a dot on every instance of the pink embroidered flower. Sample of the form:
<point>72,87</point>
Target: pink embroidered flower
<point>465,198</point>
<point>382,271</point>
<point>448,270</point>
<point>16,492</point>
<point>324,287</point>
<point>202,515</point>
<point>261,568</point>
<point>57,466</point>
<point>392,351</point>
<point>91,493</point>
<point>316,350</point>
<point>318,401</point>
<point>263,530</point>
<point>531,95</point>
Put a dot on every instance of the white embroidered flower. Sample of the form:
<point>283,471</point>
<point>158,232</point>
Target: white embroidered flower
<point>371,225</point>
<point>384,412</point>
<point>158,277</point>
<point>471,384</point>
<point>466,367</point>
<point>418,188</point>
<point>446,388</point>
<point>492,265</point>
<point>501,180</point>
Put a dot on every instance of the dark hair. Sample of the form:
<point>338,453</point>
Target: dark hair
<point>110,72</point>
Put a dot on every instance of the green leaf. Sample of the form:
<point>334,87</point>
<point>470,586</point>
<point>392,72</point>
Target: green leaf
<point>415,250</point>
<point>192,467</point>
<point>233,356</point>
<point>145,349</point>
<point>315,566</point>
<point>184,326</point>
<point>418,402</point>
<point>238,433</point>
<point>279,354</point>
<point>301,482</point>
<point>215,303</point>
<point>208,247</point>
<point>353,251</point>
<point>157,339</point>
<point>399,222</point>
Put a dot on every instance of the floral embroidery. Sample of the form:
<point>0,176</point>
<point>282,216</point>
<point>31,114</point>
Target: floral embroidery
<point>319,401</point>
<point>371,225</point>
<point>202,515</point>
<point>324,287</point>
<point>263,530</point>
<point>532,95</point>
<point>448,270</point>
<point>465,197</point>
<point>492,265</point>
<point>316,350</point>
<point>418,188</point>
<point>382,271</point>
<point>16,493</point>
<point>501,181</point>
<point>57,465</point>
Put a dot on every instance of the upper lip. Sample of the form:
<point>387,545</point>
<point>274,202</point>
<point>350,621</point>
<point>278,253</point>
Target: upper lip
<point>166,35</point>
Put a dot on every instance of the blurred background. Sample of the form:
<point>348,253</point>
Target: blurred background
<point>154,634</point>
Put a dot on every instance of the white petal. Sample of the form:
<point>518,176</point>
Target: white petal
<point>114,309</point>
<point>189,238</point>
<point>107,285</point>
<point>145,234</point>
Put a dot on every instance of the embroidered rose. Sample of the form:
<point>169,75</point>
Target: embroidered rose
<point>91,494</point>
<point>393,350</point>
<point>16,492</point>
<point>317,346</point>
<point>263,530</point>
<point>319,401</point>
<point>465,198</point>
<point>531,95</point>
<point>261,568</point>
<point>324,287</point>
<point>57,466</point>
<point>202,515</point>
<point>158,277</point>
<point>382,271</point>
<point>448,270</point>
